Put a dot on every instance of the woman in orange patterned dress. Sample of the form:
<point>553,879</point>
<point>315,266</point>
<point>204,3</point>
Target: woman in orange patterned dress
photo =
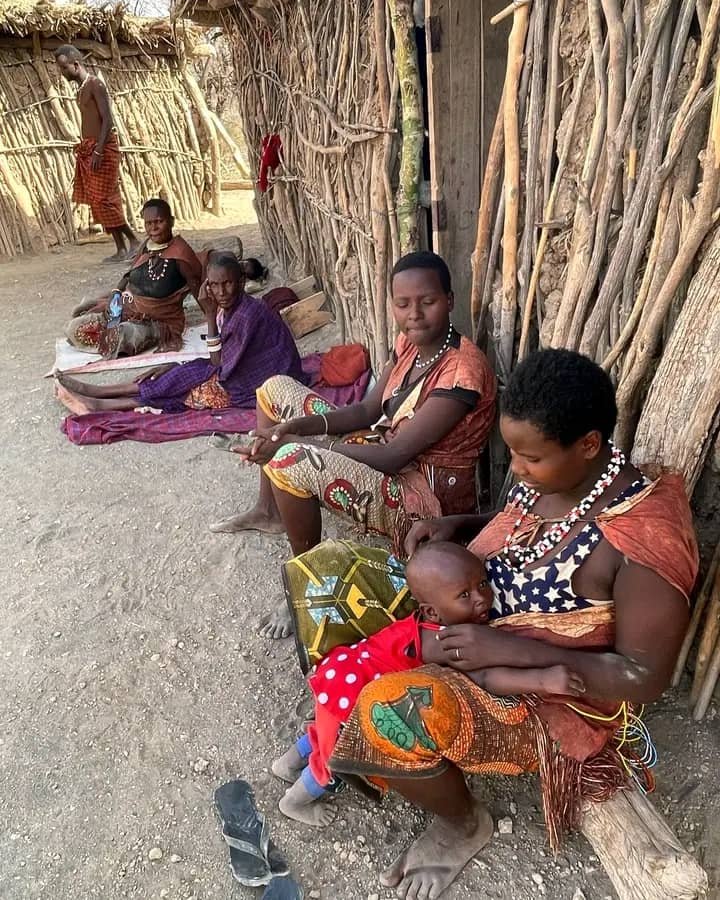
<point>430,415</point>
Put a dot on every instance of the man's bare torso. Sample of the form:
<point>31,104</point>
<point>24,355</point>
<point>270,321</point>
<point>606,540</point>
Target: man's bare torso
<point>91,122</point>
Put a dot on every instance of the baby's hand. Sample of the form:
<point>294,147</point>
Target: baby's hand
<point>560,680</point>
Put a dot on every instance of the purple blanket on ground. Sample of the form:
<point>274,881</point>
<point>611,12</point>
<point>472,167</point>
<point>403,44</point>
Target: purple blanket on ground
<point>108,427</point>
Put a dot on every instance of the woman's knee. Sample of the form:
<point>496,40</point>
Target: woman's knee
<point>277,393</point>
<point>287,472</point>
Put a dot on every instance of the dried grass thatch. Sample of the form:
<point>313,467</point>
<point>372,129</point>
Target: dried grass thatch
<point>22,18</point>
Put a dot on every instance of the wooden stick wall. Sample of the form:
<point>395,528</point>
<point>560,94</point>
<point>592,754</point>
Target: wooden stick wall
<point>324,77</point>
<point>605,238</point>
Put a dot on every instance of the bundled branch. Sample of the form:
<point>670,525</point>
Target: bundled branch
<point>626,206</point>
<point>328,79</point>
<point>158,112</point>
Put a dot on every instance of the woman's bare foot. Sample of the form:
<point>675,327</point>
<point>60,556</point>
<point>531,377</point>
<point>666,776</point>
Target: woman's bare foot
<point>278,624</point>
<point>289,766</point>
<point>296,803</point>
<point>75,385</point>
<point>76,404</point>
<point>432,862</point>
<point>120,256</point>
<point>253,520</point>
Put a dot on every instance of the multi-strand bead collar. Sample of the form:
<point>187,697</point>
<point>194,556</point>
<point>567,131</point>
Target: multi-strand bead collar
<point>520,555</point>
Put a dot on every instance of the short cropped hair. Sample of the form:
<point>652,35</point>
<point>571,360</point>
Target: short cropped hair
<point>562,393</point>
<point>224,259</point>
<point>159,204</point>
<point>69,52</point>
<point>425,259</point>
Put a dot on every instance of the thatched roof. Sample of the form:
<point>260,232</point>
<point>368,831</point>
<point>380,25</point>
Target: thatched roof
<point>22,18</point>
<point>209,12</point>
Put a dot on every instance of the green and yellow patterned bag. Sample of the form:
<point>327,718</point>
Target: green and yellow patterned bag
<point>340,592</point>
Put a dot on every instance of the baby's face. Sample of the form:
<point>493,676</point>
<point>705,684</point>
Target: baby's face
<point>463,594</point>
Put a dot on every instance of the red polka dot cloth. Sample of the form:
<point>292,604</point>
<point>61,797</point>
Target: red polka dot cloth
<point>337,681</point>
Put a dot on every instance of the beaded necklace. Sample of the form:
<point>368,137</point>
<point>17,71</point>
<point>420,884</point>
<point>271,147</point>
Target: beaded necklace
<point>436,356</point>
<point>526,499</point>
<point>159,273</point>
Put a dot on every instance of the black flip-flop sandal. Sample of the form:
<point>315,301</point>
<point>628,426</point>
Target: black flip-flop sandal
<point>245,831</point>
<point>276,863</point>
<point>283,888</point>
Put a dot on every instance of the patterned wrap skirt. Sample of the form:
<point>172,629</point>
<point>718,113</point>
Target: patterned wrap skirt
<point>85,333</point>
<point>414,724</point>
<point>368,498</point>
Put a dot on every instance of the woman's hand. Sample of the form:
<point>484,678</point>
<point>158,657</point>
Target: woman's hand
<point>429,531</point>
<point>267,442</point>
<point>207,302</point>
<point>463,646</point>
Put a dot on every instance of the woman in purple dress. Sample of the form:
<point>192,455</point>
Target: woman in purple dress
<point>248,343</point>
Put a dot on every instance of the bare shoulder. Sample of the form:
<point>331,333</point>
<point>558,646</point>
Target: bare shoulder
<point>97,88</point>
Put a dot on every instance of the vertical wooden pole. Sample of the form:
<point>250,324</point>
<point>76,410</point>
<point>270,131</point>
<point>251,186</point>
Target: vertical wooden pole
<point>198,100</point>
<point>511,127</point>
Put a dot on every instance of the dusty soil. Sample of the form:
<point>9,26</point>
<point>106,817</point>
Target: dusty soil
<point>133,682</point>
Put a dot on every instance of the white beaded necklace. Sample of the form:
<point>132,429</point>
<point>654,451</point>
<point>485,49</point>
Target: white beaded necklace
<point>83,82</point>
<point>526,499</point>
<point>157,274</point>
<point>436,356</point>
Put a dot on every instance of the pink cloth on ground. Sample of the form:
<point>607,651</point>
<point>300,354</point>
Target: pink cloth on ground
<point>109,427</point>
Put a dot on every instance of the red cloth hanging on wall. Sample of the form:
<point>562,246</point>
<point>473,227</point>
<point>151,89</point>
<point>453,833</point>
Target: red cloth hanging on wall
<point>270,153</point>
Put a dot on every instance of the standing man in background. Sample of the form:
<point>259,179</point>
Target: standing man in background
<point>97,165</point>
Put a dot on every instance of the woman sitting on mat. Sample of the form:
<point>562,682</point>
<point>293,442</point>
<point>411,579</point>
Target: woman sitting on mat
<point>431,412</point>
<point>149,298</point>
<point>591,565</point>
<point>247,342</point>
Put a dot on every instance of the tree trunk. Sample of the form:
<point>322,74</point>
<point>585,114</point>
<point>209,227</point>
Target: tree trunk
<point>198,101</point>
<point>413,133</point>
<point>642,857</point>
<point>677,434</point>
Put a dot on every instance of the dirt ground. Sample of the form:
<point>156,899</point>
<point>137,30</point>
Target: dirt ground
<point>134,683</point>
